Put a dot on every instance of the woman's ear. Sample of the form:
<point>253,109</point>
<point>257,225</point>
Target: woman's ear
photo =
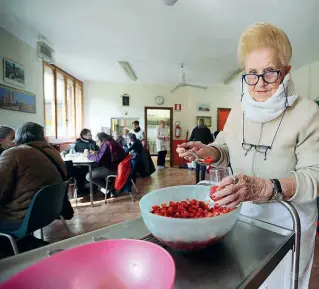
<point>288,69</point>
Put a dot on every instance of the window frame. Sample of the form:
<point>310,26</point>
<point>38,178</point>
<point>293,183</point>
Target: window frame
<point>76,81</point>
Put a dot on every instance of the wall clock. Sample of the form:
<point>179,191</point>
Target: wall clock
<point>159,100</point>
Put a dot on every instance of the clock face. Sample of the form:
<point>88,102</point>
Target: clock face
<point>159,100</point>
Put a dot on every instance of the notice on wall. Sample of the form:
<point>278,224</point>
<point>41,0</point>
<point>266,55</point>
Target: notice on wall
<point>177,107</point>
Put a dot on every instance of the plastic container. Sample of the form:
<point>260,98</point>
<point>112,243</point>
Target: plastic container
<point>185,234</point>
<point>111,264</point>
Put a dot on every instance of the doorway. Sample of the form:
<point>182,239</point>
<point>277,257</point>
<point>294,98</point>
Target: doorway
<point>152,116</point>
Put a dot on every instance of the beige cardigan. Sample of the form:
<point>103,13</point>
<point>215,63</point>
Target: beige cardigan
<point>295,150</point>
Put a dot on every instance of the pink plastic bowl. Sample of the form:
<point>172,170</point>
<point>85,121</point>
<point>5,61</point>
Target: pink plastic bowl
<point>111,264</point>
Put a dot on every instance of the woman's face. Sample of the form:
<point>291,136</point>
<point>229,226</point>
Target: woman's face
<point>260,61</point>
<point>9,140</point>
<point>162,124</point>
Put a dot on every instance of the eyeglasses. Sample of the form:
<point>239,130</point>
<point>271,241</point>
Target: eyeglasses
<point>259,148</point>
<point>268,77</point>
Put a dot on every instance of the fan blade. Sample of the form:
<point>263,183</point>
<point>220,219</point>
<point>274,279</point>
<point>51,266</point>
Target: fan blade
<point>169,2</point>
<point>176,87</point>
<point>196,86</point>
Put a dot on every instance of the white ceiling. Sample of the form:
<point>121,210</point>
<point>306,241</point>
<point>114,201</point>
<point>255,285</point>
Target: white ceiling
<point>90,37</point>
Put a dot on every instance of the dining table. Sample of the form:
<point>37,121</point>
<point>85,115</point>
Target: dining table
<point>82,161</point>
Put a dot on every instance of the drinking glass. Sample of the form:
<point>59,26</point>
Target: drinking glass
<point>218,174</point>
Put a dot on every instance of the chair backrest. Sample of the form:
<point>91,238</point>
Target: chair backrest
<point>45,207</point>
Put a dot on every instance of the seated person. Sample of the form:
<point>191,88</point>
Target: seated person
<point>119,139</point>
<point>136,144</point>
<point>126,136</point>
<point>24,170</point>
<point>84,142</point>
<point>109,156</point>
<point>7,135</point>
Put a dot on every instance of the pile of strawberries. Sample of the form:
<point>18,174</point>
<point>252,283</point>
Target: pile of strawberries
<point>189,209</point>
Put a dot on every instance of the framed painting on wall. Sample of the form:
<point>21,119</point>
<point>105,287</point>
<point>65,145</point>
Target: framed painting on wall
<point>222,115</point>
<point>16,99</point>
<point>207,120</point>
<point>125,100</point>
<point>13,72</point>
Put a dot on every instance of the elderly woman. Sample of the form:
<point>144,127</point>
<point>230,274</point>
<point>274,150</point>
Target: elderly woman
<point>271,140</point>
<point>7,135</point>
<point>162,144</point>
<point>24,170</point>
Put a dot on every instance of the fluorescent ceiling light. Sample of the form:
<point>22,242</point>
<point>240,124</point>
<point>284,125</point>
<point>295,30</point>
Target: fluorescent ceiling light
<point>128,70</point>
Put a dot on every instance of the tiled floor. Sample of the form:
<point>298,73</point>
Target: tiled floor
<point>89,218</point>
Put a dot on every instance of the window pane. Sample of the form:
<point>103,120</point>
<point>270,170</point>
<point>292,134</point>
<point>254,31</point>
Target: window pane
<point>61,107</point>
<point>49,102</point>
<point>78,104</point>
<point>70,108</point>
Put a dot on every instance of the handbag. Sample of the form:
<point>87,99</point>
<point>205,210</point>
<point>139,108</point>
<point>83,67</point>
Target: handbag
<point>67,210</point>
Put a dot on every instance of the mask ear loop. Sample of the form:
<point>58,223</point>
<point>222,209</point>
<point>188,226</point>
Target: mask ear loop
<point>242,88</point>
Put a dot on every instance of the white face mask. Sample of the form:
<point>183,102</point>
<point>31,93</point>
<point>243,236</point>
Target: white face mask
<point>274,106</point>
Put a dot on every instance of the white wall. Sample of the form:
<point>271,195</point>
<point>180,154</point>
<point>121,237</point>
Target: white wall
<point>306,80</point>
<point>102,101</point>
<point>14,49</point>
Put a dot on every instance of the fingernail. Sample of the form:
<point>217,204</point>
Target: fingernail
<point>214,197</point>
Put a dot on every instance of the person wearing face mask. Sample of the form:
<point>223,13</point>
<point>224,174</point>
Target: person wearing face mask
<point>271,140</point>
<point>7,135</point>
<point>84,142</point>
<point>138,131</point>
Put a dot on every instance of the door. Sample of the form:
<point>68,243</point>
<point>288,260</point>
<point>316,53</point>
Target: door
<point>152,117</point>
<point>222,115</point>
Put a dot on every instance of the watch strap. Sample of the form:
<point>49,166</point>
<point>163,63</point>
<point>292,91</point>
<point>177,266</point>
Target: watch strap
<point>277,193</point>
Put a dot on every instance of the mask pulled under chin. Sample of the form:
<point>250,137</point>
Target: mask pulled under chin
<point>274,106</point>
<point>137,129</point>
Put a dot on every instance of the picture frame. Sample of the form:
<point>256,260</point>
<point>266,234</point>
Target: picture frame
<point>16,99</point>
<point>207,120</point>
<point>13,73</point>
<point>203,107</point>
<point>125,100</point>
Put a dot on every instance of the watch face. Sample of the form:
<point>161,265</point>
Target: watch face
<point>159,100</point>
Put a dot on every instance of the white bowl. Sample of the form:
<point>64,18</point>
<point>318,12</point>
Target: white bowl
<point>185,234</point>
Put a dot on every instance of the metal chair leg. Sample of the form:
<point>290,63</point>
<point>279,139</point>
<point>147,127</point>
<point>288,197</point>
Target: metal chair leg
<point>136,190</point>
<point>41,234</point>
<point>75,194</point>
<point>12,242</point>
<point>65,225</point>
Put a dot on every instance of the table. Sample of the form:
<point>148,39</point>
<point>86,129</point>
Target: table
<point>238,262</point>
<point>84,163</point>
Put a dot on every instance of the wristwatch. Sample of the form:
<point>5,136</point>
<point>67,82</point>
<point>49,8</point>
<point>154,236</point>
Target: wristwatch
<point>277,191</point>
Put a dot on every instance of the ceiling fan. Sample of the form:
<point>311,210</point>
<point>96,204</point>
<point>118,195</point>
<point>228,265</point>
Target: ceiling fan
<point>182,82</point>
<point>169,2</point>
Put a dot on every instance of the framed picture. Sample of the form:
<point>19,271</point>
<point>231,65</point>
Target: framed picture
<point>203,107</point>
<point>16,99</point>
<point>125,100</point>
<point>207,120</point>
<point>13,72</point>
<point>222,115</point>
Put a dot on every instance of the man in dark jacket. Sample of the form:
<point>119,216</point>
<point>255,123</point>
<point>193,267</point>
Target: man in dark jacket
<point>84,142</point>
<point>201,133</point>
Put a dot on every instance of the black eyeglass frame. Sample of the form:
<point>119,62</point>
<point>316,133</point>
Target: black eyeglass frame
<point>262,75</point>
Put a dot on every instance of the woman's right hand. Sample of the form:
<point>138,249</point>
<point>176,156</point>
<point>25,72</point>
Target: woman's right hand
<point>199,148</point>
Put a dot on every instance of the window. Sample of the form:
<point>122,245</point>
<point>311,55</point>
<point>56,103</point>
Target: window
<point>62,103</point>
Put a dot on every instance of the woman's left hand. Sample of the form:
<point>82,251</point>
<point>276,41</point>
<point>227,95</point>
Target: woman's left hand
<point>236,189</point>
